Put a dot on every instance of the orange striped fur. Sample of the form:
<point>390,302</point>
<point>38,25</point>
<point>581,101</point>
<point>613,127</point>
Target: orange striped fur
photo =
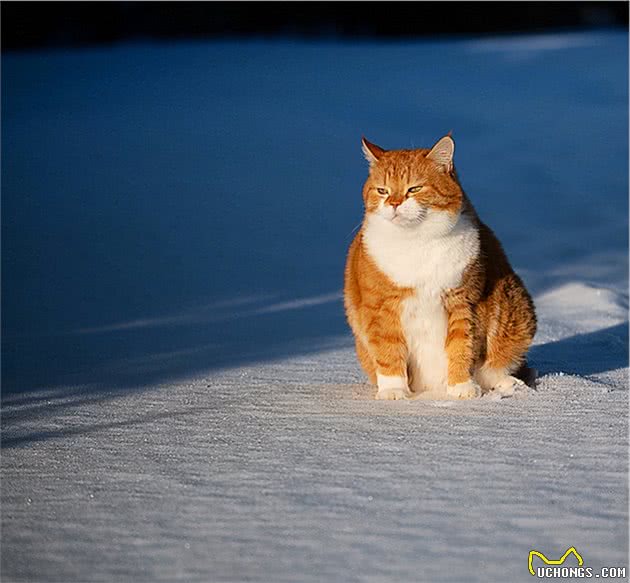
<point>432,300</point>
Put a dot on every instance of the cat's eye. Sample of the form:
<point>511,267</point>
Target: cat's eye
<point>414,189</point>
<point>382,191</point>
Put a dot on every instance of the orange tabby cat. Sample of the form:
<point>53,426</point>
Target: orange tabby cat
<point>432,300</point>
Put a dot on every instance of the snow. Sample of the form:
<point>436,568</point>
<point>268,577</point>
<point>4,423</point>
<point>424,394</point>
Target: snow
<point>181,399</point>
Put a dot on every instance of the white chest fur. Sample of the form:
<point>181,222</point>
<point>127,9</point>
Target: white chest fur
<point>429,259</point>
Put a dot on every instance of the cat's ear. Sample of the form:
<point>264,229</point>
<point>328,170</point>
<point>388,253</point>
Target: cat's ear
<point>442,153</point>
<point>372,152</point>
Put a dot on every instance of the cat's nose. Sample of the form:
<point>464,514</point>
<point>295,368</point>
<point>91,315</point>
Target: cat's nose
<point>395,203</point>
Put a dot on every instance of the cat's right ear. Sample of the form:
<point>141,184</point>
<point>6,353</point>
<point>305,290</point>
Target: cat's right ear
<point>372,152</point>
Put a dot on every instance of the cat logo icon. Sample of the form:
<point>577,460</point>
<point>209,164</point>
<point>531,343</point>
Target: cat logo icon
<point>560,561</point>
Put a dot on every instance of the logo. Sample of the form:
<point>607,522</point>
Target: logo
<point>547,561</point>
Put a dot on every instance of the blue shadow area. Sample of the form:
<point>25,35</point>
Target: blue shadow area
<point>128,358</point>
<point>584,354</point>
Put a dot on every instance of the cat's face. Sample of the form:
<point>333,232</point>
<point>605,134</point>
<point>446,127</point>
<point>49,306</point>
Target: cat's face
<point>412,187</point>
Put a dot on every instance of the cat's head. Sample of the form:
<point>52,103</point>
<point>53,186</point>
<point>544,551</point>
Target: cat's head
<point>412,187</point>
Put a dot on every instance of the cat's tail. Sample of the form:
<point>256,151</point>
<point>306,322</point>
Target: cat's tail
<point>527,374</point>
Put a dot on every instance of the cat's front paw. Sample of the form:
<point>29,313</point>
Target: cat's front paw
<point>393,394</point>
<point>392,388</point>
<point>465,390</point>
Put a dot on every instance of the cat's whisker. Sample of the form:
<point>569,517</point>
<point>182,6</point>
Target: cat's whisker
<point>354,230</point>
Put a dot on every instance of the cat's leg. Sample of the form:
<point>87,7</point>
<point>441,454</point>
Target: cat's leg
<point>460,352</point>
<point>511,325</point>
<point>366,361</point>
<point>388,348</point>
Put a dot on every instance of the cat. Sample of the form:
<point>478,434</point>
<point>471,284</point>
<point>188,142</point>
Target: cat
<point>432,300</point>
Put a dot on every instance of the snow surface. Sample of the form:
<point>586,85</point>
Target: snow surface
<point>181,400</point>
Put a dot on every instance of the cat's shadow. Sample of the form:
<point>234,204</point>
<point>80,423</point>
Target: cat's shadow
<point>583,354</point>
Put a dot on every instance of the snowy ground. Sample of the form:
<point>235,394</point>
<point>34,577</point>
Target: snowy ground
<point>180,397</point>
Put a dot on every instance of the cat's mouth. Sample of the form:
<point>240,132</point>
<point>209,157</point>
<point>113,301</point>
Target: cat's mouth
<point>405,220</point>
<point>397,218</point>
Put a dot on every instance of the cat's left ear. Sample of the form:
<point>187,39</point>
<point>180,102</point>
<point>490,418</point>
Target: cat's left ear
<point>442,153</point>
<point>371,151</point>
